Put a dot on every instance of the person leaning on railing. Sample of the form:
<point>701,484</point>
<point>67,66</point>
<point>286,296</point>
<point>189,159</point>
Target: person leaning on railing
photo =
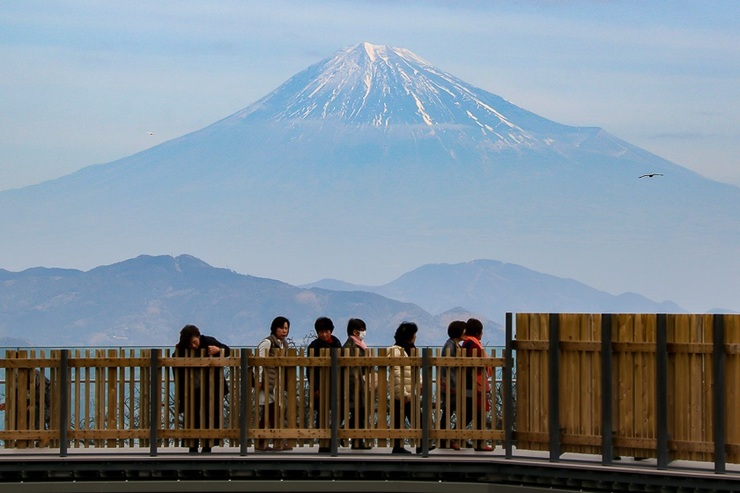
<point>201,394</point>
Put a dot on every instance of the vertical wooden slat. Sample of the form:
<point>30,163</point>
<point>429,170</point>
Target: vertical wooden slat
<point>120,391</point>
<point>77,401</point>
<point>682,405</point>
<point>385,415</point>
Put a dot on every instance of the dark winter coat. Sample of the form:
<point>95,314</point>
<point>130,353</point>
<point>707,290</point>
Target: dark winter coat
<point>201,379</point>
<point>314,349</point>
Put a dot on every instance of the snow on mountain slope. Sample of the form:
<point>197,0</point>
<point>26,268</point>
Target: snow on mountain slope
<point>373,162</point>
<point>382,86</point>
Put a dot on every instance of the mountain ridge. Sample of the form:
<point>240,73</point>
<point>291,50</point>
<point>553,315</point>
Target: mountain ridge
<point>299,199</point>
<point>146,299</point>
<point>493,288</point>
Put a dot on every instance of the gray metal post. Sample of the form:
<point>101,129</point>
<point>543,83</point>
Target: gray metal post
<point>607,442</point>
<point>426,400</point>
<point>661,389</point>
<point>154,400</point>
<point>63,401</point>
<point>719,404</point>
<point>554,387</point>
<point>334,401</point>
<point>243,400</point>
<point>508,417</point>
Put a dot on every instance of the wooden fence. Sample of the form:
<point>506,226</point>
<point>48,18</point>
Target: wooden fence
<point>149,398</point>
<point>640,385</point>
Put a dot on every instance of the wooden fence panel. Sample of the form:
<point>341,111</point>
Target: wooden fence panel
<point>106,398</point>
<point>30,399</point>
<point>690,385</point>
<point>202,408</point>
<point>532,398</point>
<point>110,405</point>
<point>580,383</point>
<point>635,391</point>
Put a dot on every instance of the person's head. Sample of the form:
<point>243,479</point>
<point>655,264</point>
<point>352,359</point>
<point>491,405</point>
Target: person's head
<point>406,334</point>
<point>474,328</point>
<point>456,329</point>
<point>189,337</point>
<point>356,327</point>
<point>280,327</point>
<point>323,327</point>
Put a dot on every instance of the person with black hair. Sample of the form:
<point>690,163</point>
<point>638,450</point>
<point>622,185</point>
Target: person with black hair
<point>269,378</point>
<point>477,386</point>
<point>324,340</point>
<point>355,344</point>
<point>448,376</point>
<point>406,382</point>
<point>199,401</point>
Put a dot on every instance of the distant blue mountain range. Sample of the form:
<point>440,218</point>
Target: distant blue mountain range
<point>493,288</point>
<point>146,300</point>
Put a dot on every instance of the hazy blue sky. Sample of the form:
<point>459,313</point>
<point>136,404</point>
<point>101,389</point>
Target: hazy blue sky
<point>83,82</point>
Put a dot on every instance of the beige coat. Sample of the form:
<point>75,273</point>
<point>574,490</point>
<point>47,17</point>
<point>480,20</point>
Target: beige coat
<point>403,383</point>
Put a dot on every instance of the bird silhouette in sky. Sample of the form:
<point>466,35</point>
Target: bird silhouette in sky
<point>650,175</point>
<point>150,133</point>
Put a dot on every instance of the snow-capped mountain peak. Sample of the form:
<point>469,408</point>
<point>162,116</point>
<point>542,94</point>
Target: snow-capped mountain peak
<point>383,86</point>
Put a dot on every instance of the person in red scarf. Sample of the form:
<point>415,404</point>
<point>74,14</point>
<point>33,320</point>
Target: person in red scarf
<point>477,385</point>
<point>356,346</point>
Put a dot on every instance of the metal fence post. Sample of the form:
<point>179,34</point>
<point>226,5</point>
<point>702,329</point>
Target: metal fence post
<point>661,389</point>
<point>720,438</point>
<point>63,401</point>
<point>607,442</point>
<point>154,400</point>
<point>243,399</point>
<point>554,386</point>
<point>508,417</point>
<point>426,400</point>
<point>333,402</point>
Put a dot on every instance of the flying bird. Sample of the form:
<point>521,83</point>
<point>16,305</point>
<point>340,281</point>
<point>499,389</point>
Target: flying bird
<point>150,133</point>
<point>650,175</point>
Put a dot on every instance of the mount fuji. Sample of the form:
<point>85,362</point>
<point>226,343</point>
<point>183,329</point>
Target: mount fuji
<point>373,162</point>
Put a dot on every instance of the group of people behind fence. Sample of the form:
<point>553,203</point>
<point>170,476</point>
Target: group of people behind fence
<point>464,339</point>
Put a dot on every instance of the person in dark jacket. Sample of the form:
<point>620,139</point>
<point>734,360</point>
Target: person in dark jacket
<point>324,340</point>
<point>356,330</point>
<point>200,402</point>
<point>448,377</point>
